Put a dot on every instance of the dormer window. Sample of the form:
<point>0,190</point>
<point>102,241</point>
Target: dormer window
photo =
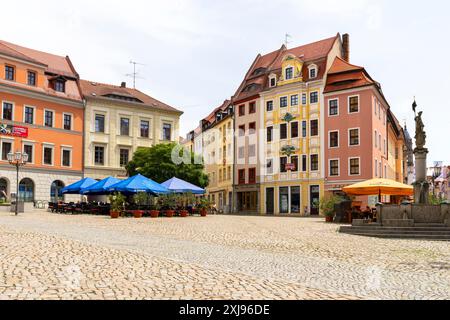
<point>272,81</point>
<point>259,71</point>
<point>60,86</point>
<point>289,72</point>
<point>250,87</point>
<point>312,71</point>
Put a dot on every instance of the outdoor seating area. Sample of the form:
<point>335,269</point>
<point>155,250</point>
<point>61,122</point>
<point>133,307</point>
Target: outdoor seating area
<point>103,208</point>
<point>137,196</point>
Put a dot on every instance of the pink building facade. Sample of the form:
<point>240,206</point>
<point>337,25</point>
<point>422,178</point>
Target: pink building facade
<point>357,120</point>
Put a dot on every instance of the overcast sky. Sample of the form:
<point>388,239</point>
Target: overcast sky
<point>195,53</point>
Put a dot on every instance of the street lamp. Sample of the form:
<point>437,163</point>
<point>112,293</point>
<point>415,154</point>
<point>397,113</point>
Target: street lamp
<point>436,173</point>
<point>17,159</point>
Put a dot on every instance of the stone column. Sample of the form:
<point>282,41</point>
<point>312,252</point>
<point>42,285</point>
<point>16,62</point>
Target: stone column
<point>421,185</point>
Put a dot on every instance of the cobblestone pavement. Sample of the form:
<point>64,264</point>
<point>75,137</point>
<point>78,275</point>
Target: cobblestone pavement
<point>53,256</point>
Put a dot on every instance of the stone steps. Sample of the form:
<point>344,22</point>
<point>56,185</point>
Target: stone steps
<point>439,232</point>
<point>405,236</point>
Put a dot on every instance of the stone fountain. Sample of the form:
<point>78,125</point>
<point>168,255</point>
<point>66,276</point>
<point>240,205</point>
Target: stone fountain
<point>410,220</point>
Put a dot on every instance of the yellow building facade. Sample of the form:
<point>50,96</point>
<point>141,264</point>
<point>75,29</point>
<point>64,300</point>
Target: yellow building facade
<point>292,181</point>
<point>217,151</point>
<point>118,120</point>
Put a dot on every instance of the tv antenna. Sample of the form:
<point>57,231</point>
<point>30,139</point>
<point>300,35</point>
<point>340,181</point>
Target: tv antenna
<point>286,39</point>
<point>135,75</point>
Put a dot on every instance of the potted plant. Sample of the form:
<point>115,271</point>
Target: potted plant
<point>169,204</point>
<point>154,207</point>
<point>117,201</point>
<point>187,200</point>
<point>326,205</point>
<point>203,205</point>
<point>140,200</point>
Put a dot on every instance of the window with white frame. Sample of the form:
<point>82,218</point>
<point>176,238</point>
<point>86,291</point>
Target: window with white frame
<point>272,81</point>
<point>354,166</point>
<point>289,73</point>
<point>47,155</point>
<point>28,115</point>
<point>312,71</point>
<point>304,97</point>
<point>334,167</point>
<point>283,102</point>
<point>376,138</point>
<point>353,104</point>
<point>67,121</point>
<point>333,107</point>
<point>353,137</point>
<point>314,162</point>
<point>314,97</point>
<point>269,166</point>
<point>7,111</point>
<point>99,155</point>
<point>333,139</point>
<point>66,157</point>
<point>48,118</point>
<point>28,148</point>
<point>376,168</point>
<point>294,100</point>
<point>6,148</point>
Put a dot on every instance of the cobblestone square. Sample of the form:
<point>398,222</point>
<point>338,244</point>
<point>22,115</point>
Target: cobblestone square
<point>54,256</point>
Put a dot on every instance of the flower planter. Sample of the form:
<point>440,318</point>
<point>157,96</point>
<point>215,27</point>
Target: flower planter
<point>114,214</point>
<point>184,213</point>
<point>138,213</point>
<point>170,213</point>
<point>154,213</point>
<point>328,218</point>
<point>203,212</point>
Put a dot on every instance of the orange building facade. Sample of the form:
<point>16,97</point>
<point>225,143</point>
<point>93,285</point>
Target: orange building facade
<point>42,115</point>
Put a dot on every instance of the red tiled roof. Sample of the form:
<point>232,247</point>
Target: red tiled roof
<point>339,65</point>
<point>102,90</point>
<point>51,63</point>
<point>272,63</point>
<point>55,64</point>
<point>212,116</point>
<point>344,76</point>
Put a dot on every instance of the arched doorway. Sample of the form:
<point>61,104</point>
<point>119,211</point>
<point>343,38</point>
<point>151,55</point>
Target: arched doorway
<point>3,189</point>
<point>26,190</point>
<point>56,191</point>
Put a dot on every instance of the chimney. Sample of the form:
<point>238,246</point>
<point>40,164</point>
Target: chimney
<point>123,85</point>
<point>346,47</point>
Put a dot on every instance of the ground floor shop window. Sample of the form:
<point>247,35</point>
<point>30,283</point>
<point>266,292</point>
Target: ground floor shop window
<point>56,191</point>
<point>26,190</point>
<point>247,201</point>
<point>284,199</point>
<point>3,189</point>
<point>295,200</point>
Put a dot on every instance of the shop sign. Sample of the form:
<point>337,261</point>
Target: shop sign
<point>15,131</point>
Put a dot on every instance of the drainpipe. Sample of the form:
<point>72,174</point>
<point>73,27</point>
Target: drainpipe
<point>233,194</point>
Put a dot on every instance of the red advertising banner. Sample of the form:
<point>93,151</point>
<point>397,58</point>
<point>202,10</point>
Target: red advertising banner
<point>289,166</point>
<point>15,131</point>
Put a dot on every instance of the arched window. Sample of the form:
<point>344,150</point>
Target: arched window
<point>312,70</point>
<point>3,189</point>
<point>26,190</point>
<point>56,191</point>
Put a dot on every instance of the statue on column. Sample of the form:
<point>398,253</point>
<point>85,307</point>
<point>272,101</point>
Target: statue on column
<point>421,185</point>
<point>420,133</point>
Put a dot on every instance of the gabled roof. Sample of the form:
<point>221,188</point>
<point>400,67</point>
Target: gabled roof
<point>212,116</point>
<point>272,62</point>
<point>97,90</point>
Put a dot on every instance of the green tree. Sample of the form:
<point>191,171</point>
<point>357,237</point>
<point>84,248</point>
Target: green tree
<point>156,163</point>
